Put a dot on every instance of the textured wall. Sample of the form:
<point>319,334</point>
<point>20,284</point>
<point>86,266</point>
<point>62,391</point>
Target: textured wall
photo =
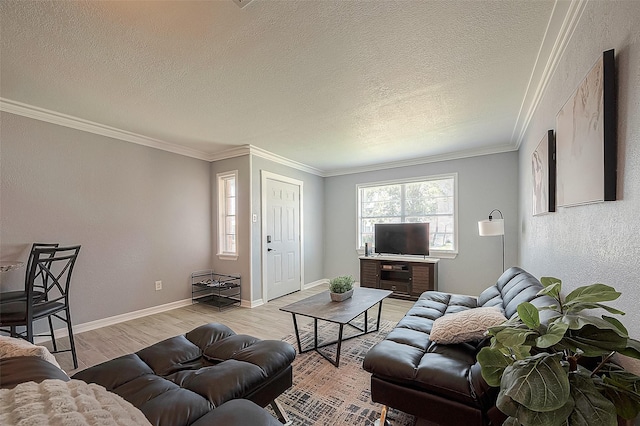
<point>598,242</point>
<point>141,214</point>
<point>484,183</point>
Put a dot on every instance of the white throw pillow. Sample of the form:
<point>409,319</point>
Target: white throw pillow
<point>466,326</point>
<point>12,347</point>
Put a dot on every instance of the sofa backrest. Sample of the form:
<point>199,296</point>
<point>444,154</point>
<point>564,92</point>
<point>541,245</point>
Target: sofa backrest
<point>514,286</point>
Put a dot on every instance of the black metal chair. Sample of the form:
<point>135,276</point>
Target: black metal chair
<point>47,295</point>
<point>39,283</point>
<point>12,296</point>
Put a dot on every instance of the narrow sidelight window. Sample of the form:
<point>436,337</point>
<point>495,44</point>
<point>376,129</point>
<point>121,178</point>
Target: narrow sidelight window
<point>227,211</point>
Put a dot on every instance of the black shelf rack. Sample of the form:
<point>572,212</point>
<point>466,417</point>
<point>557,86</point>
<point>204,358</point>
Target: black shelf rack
<point>215,289</point>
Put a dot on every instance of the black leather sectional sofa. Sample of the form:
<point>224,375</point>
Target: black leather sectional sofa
<point>209,376</point>
<point>181,379</point>
<point>443,383</point>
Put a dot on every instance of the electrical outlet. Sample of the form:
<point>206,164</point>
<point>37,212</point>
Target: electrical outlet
<point>158,285</point>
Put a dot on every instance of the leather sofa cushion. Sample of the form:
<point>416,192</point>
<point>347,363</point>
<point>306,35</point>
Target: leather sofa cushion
<point>170,355</point>
<point>226,348</point>
<point>512,288</point>
<point>115,373</point>
<point>205,335</point>
<point>178,380</point>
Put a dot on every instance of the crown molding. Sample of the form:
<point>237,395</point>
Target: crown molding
<point>562,23</point>
<point>53,117</point>
<point>423,160</point>
<point>237,151</point>
<point>30,111</point>
<point>262,153</point>
<point>267,155</point>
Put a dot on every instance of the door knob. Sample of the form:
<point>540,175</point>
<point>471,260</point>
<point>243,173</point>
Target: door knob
<point>269,249</point>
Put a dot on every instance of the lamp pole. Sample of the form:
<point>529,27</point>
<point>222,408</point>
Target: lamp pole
<point>493,227</point>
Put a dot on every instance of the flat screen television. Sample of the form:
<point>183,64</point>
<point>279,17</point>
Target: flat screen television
<point>402,238</point>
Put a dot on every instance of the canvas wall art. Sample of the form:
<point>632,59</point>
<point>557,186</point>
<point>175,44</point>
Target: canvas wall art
<point>586,139</point>
<point>543,167</point>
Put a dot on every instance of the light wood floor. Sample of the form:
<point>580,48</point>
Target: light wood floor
<point>265,322</point>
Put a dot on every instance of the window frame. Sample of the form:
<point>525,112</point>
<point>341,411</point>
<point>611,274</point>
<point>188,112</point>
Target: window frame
<point>221,179</point>
<point>443,254</point>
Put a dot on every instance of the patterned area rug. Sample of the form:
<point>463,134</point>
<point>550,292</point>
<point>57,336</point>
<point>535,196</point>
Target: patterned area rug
<point>325,395</point>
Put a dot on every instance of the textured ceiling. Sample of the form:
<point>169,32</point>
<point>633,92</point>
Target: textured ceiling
<point>332,84</point>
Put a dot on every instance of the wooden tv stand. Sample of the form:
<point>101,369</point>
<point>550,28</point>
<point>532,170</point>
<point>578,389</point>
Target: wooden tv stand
<point>407,277</point>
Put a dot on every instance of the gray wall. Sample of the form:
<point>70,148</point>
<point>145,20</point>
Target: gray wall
<point>140,214</point>
<point>313,217</point>
<point>598,242</point>
<point>242,265</point>
<point>484,183</point>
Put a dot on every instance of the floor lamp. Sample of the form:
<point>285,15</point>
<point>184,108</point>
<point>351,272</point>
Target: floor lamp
<point>493,227</point>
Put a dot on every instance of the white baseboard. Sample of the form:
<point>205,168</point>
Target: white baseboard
<point>92,325</point>
<point>252,304</point>
<point>315,283</point>
<point>116,319</point>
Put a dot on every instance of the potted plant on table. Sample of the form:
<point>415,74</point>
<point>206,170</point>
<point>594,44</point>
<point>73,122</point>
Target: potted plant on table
<point>560,371</point>
<point>341,288</point>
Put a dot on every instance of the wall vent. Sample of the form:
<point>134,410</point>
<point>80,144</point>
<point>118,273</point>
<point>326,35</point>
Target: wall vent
<point>242,3</point>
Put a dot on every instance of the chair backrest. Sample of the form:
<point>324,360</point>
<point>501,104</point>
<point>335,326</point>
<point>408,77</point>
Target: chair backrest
<point>40,279</point>
<point>54,265</point>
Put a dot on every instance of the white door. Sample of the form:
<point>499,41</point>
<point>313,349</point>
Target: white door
<point>282,238</point>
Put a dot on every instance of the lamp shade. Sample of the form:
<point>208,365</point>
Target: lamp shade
<point>491,227</point>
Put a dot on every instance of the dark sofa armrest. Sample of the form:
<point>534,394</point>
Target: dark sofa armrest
<point>238,412</point>
<point>16,370</point>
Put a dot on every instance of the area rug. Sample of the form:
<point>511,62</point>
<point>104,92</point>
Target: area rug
<point>325,395</point>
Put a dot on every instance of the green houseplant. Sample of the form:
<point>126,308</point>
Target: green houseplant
<point>341,288</point>
<point>559,371</point>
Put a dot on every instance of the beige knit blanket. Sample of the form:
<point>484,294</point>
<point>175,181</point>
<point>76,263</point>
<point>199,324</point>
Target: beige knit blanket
<point>59,403</point>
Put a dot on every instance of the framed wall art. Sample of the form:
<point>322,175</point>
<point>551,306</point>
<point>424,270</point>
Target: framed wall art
<point>586,145</point>
<point>543,167</point>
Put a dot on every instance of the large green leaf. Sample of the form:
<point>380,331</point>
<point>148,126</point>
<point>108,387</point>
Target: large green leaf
<point>545,418</point>
<point>575,307</point>
<point>529,315</point>
<point>577,322</point>
<point>581,347</point>
<point>521,352</point>
<point>539,383</point>
<point>510,323</point>
<point>591,407</point>
<point>493,363</point>
<point>506,404</point>
<point>607,339</point>
<point>632,349</point>
<point>627,404</point>
<point>554,334</point>
<point>552,290</point>
<point>593,293</point>
<point>622,388</point>
<point>512,337</point>
<point>524,416</point>
<point>617,324</point>
<point>550,281</point>
<point>511,421</point>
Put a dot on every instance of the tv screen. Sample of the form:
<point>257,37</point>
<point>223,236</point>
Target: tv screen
<point>402,238</point>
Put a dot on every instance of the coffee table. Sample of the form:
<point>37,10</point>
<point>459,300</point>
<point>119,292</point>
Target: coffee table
<point>321,307</point>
